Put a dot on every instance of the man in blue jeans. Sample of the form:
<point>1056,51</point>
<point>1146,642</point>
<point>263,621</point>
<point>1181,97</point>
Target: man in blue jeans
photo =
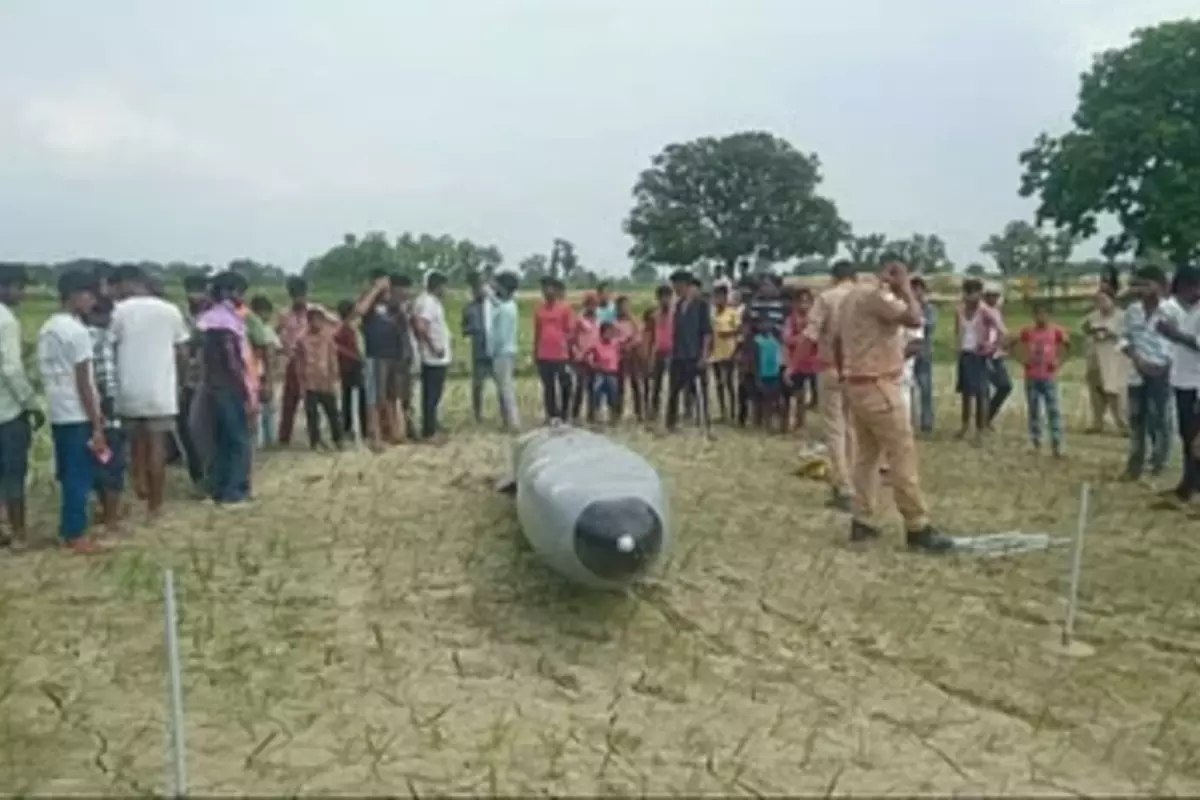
<point>64,352</point>
<point>1149,384</point>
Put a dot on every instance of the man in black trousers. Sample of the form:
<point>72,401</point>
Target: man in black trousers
<point>689,350</point>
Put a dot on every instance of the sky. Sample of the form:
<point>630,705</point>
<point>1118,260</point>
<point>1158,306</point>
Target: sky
<point>207,131</point>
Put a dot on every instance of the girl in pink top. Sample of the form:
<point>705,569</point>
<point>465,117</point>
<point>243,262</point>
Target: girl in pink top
<point>583,337</point>
<point>604,362</point>
<point>803,363</point>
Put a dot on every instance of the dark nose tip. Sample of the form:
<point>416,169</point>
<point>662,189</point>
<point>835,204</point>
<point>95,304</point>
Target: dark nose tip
<point>617,539</point>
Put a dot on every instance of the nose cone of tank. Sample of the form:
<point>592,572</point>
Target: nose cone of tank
<point>618,539</point>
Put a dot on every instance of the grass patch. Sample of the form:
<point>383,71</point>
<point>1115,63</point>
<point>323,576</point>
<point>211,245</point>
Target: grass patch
<point>376,624</point>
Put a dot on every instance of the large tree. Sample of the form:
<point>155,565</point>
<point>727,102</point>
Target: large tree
<point>748,194</point>
<point>1019,248</point>
<point>1134,151</point>
<point>924,253</point>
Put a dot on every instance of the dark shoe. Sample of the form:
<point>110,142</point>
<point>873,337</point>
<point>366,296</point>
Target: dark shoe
<point>862,532</point>
<point>838,501</point>
<point>929,540</point>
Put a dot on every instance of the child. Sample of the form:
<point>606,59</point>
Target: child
<point>1040,343</point>
<point>974,327</point>
<point>108,474</point>
<point>746,360</point>
<point>350,371</point>
<point>725,324</point>
<point>633,362</point>
<point>604,365</point>
<point>262,308</point>
<point>583,338</point>
<point>318,373</point>
<point>768,367</point>
<point>552,324</point>
<point>660,327</point>
<point>65,353</point>
<point>803,365</point>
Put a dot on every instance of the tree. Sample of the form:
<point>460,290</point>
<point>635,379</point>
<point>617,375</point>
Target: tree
<point>748,194</point>
<point>563,260</point>
<point>976,270</point>
<point>864,250</point>
<point>643,273</point>
<point>1135,148</point>
<point>1018,248</point>
<point>533,268</point>
<point>922,253</point>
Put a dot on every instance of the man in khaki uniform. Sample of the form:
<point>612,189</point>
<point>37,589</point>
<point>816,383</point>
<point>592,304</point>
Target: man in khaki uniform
<point>869,357</point>
<point>839,441</point>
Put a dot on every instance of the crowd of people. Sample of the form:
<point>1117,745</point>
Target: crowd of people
<point>128,374</point>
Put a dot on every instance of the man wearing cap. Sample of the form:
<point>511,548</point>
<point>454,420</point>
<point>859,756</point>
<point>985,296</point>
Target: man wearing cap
<point>998,375</point>
<point>868,347</point>
<point>839,441</point>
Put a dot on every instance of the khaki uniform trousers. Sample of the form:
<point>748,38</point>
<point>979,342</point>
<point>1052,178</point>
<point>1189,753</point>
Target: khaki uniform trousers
<point>883,430</point>
<point>839,436</point>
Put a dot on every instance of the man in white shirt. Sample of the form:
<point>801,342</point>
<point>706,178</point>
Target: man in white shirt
<point>433,349</point>
<point>1181,325</point>
<point>64,353</point>
<point>19,413</point>
<point>150,336</point>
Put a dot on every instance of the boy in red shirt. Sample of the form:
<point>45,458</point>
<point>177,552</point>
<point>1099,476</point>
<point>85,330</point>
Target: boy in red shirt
<point>604,365</point>
<point>803,365</point>
<point>350,371</point>
<point>584,335</point>
<point>1041,345</point>
<point>552,324</point>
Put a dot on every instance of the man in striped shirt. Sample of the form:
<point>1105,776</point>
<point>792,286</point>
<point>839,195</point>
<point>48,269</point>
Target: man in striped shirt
<point>768,304</point>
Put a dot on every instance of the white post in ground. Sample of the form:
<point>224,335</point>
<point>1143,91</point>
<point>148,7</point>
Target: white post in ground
<point>175,683</point>
<point>1068,633</point>
<point>355,422</point>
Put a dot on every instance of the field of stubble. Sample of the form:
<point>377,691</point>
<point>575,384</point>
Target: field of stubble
<point>376,624</point>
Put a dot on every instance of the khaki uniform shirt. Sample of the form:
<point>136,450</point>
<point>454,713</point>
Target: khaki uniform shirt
<point>822,320</point>
<point>872,336</point>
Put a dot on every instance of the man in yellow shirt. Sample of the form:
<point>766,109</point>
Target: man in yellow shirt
<point>726,322</point>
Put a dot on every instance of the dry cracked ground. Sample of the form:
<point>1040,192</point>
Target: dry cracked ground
<point>376,624</point>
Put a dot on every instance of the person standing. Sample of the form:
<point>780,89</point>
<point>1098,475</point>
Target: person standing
<point>1042,345</point>
<point>659,332</point>
<point>553,321</point>
<point>1104,328</point>
<point>19,412</point>
<point>869,361</point>
<point>583,335</point>
<point>691,341</point>
<point>259,319</point>
<point>317,355</point>
<point>476,320</point>
<point>1181,326</point>
<point>108,473</point>
<point>350,372</point>
<point>226,394</point>
<point>292,325</point>
<point>822,328</point>
<point>726,322</point>
<point>64,352</point>
<point>433,338</point>
<point>606,308</point>
<point>195,289</point>
<point>923,363</point>
<point>1149,384</point>
<point>150,337</point>
<point>502,347</point>
<point>993,349</point>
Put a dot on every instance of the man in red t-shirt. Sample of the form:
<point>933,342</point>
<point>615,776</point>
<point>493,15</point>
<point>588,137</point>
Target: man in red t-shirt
<point>553,323</point>
<point>1042,346</point>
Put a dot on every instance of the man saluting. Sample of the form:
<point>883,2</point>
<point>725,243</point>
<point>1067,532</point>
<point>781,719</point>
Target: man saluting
<point>869,358</point>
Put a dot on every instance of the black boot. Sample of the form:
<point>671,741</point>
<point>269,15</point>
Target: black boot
<point>862,532</point>
<point>838,500</point>
<point>928,540</point>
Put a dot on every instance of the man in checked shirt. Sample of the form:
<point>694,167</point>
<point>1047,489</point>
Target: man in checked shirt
<point>108,469</point>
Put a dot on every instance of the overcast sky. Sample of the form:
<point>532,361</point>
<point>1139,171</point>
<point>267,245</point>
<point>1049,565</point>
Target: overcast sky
<point>212,129</point>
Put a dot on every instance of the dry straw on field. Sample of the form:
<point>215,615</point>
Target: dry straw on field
<point>376,624</point>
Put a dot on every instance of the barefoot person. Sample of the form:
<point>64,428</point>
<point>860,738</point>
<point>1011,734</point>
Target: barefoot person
<point>822,326</point>
<point>19,413</point>
<point>869,359</point>
<point>150,337</point>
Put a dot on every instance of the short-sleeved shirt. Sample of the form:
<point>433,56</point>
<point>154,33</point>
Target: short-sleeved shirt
<point>292,325</point>
<point>317,356</point>
<point>430,310</point>
<point>822,319</point>
<point>63,344</point>
<point>1041,346</point>
<point>587,331</point>
<point>606,355</point>
<point>768,356</point>
<point>607,312</point>
<point>552,322</point>
<point>725,324</point>
<point>693,324</point>
<point>802,358</point>
<point>1185,362</point>
<point>385,332</point>
<point>772,310</point>
<point>1143,339</point>
<point>664,331</point>
<point>872,337</point>
<point>146,331</point>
